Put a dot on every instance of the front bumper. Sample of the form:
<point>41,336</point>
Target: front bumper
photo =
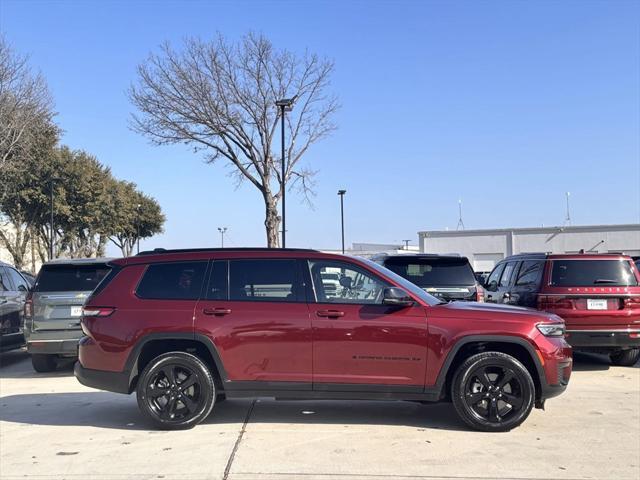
<point>117,382</point>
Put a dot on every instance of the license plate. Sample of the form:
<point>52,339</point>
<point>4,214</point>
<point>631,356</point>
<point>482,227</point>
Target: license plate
<point>76,311</point>
<point>596,304</point>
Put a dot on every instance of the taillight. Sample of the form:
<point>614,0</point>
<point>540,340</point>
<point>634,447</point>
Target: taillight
<point>552,302</point>
<point>28,309</point>
<point>97,311</point>
<point>479,294</point>
<point>632,302</point>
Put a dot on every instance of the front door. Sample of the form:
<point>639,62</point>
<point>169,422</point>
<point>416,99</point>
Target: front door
<point>255,313</point>
<point>359,343</point>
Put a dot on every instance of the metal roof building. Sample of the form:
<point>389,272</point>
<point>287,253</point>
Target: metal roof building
<point>485,248</point>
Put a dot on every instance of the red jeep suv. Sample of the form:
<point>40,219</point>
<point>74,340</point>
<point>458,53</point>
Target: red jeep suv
<point>187,328</point>
<point>597,295</point>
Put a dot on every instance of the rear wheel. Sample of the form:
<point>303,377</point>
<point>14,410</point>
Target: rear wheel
<point>176,391</point>
<point>493,392</point>
<point>625,358</point>
<point>43,363</point>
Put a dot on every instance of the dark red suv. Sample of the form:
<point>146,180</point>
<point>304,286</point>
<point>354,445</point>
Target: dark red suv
<point>188,328</point>
<point>597,295</point>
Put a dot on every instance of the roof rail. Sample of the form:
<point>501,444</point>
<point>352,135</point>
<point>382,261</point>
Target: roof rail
<point>161,251</point>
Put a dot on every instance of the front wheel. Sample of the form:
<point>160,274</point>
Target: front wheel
<point>176,391</point>
<point>625,358</point>
<point>493,392</point>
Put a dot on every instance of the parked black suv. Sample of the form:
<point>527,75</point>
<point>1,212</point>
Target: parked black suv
<point>13,293</point>
<point>448,277</point>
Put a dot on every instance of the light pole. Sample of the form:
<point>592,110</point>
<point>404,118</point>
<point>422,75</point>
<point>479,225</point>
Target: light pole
<point>222,231</point>
<point>52,231</point>
<point>138,226</point>
<point>406,244</point>
<point>341,193</point>
<point>285,105</point>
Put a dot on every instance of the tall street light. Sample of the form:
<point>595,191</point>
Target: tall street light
<point>285,105</point>
<point>138,226</point>
<point>341,193</point>
<point>222,231</point>
<point>52,231</point>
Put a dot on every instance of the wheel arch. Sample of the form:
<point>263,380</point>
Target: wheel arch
<point>517,347</point>
<point>154,344</point>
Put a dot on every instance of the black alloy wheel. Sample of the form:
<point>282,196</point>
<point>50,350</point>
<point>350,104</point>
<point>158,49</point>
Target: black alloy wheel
<point>176,391</point>
<point>493,391</point>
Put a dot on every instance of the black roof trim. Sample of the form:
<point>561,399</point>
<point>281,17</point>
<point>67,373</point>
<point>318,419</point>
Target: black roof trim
<point>164,251</point>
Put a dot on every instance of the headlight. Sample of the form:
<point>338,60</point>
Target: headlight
<point>551,329</point>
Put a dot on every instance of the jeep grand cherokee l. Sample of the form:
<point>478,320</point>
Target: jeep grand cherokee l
<point>185,328</point>
<point>597,295</point>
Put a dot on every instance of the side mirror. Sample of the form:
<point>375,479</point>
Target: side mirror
<point>396,297</point>
<point>492,287</point>
<point>22,288</point>
<point>345,282</point>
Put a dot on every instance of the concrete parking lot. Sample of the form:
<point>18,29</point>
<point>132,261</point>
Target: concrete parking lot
<point>53,427</point>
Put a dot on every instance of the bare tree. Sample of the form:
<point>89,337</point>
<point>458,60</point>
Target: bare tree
<point>219,97</point>
<point>25,102</point>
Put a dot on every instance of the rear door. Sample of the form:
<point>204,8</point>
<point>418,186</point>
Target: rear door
<point>359,343</point>
<point>59,293</point>
<point>255,312</point>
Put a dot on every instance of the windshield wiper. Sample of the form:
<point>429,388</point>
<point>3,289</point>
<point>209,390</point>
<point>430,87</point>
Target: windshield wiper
<point>605,280</point>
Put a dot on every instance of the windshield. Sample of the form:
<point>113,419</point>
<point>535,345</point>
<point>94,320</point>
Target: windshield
<point>70,278</point>
<point>587,273</point>
<point>433,272</point>
<point>408,286</point>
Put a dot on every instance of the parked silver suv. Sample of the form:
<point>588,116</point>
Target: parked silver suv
<point>53,309</point>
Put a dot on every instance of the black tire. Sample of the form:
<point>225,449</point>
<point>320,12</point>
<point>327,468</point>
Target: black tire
<point>43,363</point>
<point>176,391</point>
<point>625,358</point>
<point>221,397</point>
<point>493,392</point>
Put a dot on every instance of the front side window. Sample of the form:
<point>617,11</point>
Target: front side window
<point>339,282</point>
<point>506,275</point>
<point>70,278</point>
<point>18,280</point>
<point>587,273</point>
<point>268,280</point>
<point>5,286</point>
<point>172,281</point>
<point>495,275</point>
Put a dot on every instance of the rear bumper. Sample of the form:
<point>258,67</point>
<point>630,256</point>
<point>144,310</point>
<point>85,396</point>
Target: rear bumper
<point>117,382</point>
<point>53,347</point>
<point>602,339</point>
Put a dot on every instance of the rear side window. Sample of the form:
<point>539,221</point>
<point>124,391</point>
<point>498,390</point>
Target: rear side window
<point>172,281</point>
<point>587,273</point>
<point>530,272</point>
<point>428,272</point>
<point>219,282</point>
<point>265,280</point>
<point>70,278</point>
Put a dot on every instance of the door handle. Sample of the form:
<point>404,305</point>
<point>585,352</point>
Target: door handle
<point>218,312</point>
<point>507,296</point>
<point>329,313</point>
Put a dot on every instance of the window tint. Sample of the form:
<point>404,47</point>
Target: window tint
<point>70,278</point>
<point>172,281</point>
<point>353,285</point>
<point>506,275</point>
<point>428,272</point>
<point>218,282</point>
<point>5,284</point>
<point>495,275</point>
<point>264,280</point>
<point>529,274</point>
<point>18,280</point>
<point>585,273</point>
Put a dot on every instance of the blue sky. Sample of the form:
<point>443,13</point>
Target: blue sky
<point>506,105</point>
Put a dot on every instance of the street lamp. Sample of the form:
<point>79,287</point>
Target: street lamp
<point>341,193</point>
<point>52,231</point>
<point>138,226</point>
<point>285,105</point>
<point>222,231</point>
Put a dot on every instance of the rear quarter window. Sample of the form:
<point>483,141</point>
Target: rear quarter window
<point>172,281</point>
<point>587,273</point>
<point>70,278</point>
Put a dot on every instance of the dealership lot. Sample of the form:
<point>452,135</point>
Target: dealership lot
<point>53,427</point>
